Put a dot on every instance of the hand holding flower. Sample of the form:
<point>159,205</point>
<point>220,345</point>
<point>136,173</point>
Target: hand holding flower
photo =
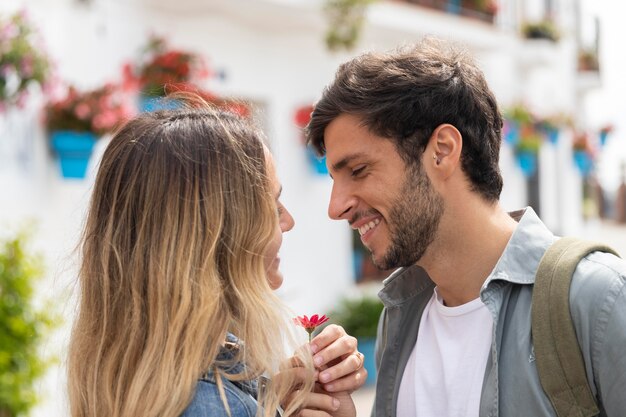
<point>336,356</point>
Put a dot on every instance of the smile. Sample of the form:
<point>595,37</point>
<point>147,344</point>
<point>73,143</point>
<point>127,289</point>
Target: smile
<point>368,226</point>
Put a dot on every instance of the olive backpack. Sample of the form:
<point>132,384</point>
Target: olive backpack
<point>560,363</point>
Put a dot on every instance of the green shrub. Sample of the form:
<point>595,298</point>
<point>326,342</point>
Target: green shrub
<point>359,316</point>
<point>22,328</point>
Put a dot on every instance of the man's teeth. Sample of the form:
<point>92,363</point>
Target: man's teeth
<point>366,227</point>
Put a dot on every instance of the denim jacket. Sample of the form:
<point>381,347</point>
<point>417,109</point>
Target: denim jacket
<point>511,385</point>
<point>241,395</point>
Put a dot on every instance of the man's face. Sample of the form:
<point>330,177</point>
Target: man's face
<point>394,207</point>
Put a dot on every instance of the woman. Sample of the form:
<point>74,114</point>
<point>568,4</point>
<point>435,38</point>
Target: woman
<point>180,256</point>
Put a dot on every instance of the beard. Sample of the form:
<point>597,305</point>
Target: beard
<point>413,221</point>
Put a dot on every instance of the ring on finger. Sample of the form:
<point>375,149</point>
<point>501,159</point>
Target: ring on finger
<point>361,358</point>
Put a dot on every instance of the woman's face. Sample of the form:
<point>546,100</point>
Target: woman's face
<point>285,223</point>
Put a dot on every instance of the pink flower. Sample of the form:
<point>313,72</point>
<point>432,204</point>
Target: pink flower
<point>82,111</point>
<point>310,324</point>
<point>105,120</point>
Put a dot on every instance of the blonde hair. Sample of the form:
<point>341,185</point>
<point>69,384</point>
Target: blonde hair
<point>172,259</point>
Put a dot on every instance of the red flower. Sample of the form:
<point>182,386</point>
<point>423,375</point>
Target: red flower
<point>303,116</point>
<point>160,66</point>
<point>310,324</point>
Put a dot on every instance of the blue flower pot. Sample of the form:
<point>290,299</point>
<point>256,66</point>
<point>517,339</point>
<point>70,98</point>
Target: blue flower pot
<point>367,348</point>
<point>583,162</point>
<point>511,132</point>
<point>150,104</point>
<point>527,161</point>
<point>552,134</point>
<point>74,150</point>
<point>603,137</point>
<point>317,164</point>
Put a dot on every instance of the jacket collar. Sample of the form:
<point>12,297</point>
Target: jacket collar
<point>226,361</point>
<point>522,254</point>
<point>404,284</point>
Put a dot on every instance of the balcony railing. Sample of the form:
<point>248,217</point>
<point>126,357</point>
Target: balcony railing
<point>483,10</point>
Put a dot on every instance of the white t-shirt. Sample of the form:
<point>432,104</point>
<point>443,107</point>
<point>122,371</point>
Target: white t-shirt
<point>445,372</point>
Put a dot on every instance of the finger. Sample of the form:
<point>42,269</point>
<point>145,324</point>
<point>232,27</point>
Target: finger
<point>316,403</point>
<point>319,401</point>
<point>338,352</point>
<point>313,413</point>
<point>348,383</point>
<point>327,336</point>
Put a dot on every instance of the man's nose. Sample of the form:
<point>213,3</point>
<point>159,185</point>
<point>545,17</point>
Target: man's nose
<point>342,201</point>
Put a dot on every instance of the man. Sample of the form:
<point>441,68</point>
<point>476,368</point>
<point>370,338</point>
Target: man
<point>412,140</point>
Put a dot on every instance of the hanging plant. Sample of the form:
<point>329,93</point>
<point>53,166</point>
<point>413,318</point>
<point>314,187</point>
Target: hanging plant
<point>583,153</point>
<point>516,118</point>
<point>527,150</point>
<point>98,111</point>
<point>543,29</point>
<point>22,60</point>
<point>588,60</point>
<point>161,66</point>
<point>604,132</point>
<point>302,116</point>
<point>345,20</point>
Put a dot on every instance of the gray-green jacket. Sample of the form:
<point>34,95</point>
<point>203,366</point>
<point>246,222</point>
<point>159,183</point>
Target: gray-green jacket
<point>511,386</point>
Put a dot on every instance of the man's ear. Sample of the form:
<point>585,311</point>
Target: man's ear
<point>444,148</point>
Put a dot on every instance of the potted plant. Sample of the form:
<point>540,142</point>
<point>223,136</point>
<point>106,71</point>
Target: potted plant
<point>345,22</point>
<point>583,152</point>
<point>22,60</point>
<point>161,68</point>
<point>525,132</point>
<point>527,150</point>
<point>23,328</point>
<point>543,29</point>
<point>301,118</point>
<point>484,10</point>
<point>588,60</point>
<point>515,118</point>
<point>551,126</point>
<point>604,133</point>
<point>359,317</point>
<point>77,120</point>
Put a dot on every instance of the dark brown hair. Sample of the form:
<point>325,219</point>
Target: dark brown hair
<point>405,94</point>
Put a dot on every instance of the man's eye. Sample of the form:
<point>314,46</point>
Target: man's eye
<point>356,172</point>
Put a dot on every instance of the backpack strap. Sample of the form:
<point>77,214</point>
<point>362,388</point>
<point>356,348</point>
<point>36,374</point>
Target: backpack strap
<point>559,361</point>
